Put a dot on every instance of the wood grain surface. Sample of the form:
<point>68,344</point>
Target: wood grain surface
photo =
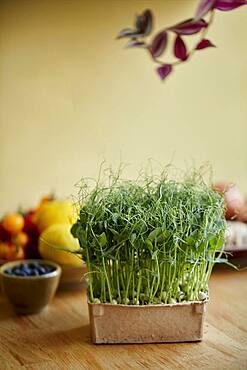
<point>59,337</point>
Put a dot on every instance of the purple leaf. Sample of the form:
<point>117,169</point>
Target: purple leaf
<point>189,27</point>
<point>144,23</point>
<point>158,44</point>
<point>180,50</point>
<point>203,8</point>
<point>226,5</point>
<point>126,32</point>
<point>164,71</point>
<point>136,43</point>
<point>204,44</point>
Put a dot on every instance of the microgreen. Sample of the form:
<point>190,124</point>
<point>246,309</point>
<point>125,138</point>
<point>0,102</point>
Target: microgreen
<point>149,241</point>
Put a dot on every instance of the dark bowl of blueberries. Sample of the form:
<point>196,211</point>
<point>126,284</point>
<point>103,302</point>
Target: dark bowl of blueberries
<point>29,284</point>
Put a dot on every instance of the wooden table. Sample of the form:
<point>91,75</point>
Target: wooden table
<point>59,337</point>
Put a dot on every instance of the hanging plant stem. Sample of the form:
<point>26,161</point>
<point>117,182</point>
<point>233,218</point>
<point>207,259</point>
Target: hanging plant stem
<point>158,45</point>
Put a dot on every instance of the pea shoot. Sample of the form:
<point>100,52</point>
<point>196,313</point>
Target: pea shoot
<point>149,241</point>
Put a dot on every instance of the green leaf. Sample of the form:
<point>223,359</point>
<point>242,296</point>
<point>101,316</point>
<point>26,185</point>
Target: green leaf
<point>102,239</point>
<point>149,245</point>
<point>154,234</point>
<point>76,229</point>
<point>202,247</point>
<point>83,217</point>
<point>217,242</point>
<point>116,235</point>
<point>194,239</point>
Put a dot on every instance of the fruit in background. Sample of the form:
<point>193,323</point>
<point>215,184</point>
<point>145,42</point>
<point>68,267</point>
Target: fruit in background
<point>54,212</point>
<point>19,235</point>
<point>4,247</point>
<point>10,252</point>
<point>31,248</point>
<point>13,223</point>
<point>29,226</point>
<point>56,242</point>
<point>5,236</point>
<point>21,239</point>
<point>234,199</point>
<point>14,253</point>
<point>243,214</point>
<point>44,200</point>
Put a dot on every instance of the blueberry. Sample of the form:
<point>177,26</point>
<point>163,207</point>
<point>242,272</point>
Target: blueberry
<point>22,273</point>
<point>27,270</point>
<point>41,270</point>
<point>18,272</point>
<point>30,269</point>
<point>8,271</point>
<point>25,266</point>
<point>49,269</point>
<point>34,272</point>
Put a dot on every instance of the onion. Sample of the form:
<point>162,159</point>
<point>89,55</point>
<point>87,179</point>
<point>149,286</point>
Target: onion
<point>234,199</point>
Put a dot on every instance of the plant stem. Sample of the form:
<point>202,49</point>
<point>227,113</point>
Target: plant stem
<point>106,276</point>
<point>192,51</point>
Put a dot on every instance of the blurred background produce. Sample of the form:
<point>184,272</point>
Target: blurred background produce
<point>56,241</point>
<point>236,215</point>
<point>42,232</point>
<point>236,201</point>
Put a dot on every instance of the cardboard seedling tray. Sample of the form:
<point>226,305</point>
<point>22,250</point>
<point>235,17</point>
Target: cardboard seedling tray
<point>181,322</point>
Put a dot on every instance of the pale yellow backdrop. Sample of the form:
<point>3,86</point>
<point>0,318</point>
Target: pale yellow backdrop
<point>70,96</point>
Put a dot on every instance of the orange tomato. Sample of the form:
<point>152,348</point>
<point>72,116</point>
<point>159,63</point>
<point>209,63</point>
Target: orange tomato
<point>4,248</point>
<point>15,253</point>
<point>13,223</point>
<point>21,239</point>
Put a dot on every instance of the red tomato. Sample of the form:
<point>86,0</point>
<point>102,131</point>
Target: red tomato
<point>29,227</point>
<point>5,236</point>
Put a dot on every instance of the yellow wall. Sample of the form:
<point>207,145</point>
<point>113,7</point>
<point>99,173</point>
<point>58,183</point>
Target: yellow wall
<point>70,96</point>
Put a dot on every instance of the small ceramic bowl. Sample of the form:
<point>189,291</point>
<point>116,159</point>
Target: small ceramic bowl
<point>30,294</point>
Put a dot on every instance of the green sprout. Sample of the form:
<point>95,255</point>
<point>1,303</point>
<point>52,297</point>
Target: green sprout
<point>149,241</point>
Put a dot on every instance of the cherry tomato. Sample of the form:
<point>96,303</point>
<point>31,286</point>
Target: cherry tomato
<point>4,248</point>
<point>29,227</point>
<point>13,223</point>
<point>21,239</point>
<point>15,253</point>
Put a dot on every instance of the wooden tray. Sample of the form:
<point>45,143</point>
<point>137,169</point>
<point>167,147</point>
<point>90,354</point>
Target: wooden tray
<point>180,322</point>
